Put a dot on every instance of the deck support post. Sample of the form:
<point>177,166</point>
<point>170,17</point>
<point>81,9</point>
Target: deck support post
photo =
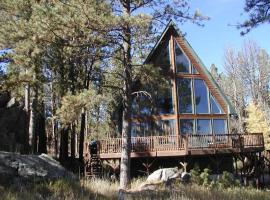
<point>236,170</point>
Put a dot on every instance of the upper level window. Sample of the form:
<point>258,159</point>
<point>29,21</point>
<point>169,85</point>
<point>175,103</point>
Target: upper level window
<point>164,101</point>
<point>141,105</point>
<point>194,70</point>
<point>181,60</point>
<point>215,107</point>
<point>184,95</point>
<point>201,97</point>
<point>163,57</point>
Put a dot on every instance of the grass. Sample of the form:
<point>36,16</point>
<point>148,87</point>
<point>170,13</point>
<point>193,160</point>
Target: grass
<point>101,189</point>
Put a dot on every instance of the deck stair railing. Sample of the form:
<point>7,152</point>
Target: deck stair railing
<point>185,142</point>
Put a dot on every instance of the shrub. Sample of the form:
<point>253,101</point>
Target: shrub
<point>227,180</point>
<point>205,180</point>
<point>195,175</point>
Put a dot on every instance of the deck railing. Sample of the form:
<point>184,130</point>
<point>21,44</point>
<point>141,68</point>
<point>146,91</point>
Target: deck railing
<point>187,142</point>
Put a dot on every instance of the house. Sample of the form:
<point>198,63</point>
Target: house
<point>191,117</point>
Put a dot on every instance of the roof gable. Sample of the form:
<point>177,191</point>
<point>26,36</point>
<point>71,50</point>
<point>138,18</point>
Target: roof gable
<point>196,62</point>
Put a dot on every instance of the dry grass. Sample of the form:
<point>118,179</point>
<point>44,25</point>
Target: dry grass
<point>102,189</point>
<point>61,189</point>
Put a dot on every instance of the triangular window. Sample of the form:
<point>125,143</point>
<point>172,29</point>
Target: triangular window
<point>194,70</point>
<point>215,107</point>
<point>163,56</point>
<point>181,61</point>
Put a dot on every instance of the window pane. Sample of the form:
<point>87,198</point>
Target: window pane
<point>140,129</point>
<point>164,102</point>
<point>163,58</point>
<point>215,107</point>
<point>184,95</point>
<point>194,70</point>
<point>219,126</point>
<point>141,105</point>
<point>186,126</point>
<point>144,129</point>
<point>203,126</point>
<point>181,61</point>
<point>164,127</point>
<point>201,96</point>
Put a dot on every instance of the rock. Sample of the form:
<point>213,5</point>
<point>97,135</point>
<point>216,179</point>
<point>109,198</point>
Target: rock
<point>185,177</point>
<point>163,175</point>
<point>14,166</point>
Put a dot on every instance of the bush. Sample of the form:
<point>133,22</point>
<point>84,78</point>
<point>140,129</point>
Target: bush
<point>195,175</point>
<point>227,180</point>
<point>205,177</point>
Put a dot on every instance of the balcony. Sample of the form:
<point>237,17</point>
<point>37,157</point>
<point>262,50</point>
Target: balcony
<point>173,145</point>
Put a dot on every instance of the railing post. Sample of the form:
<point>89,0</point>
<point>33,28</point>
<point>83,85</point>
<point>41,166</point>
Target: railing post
<point>214,141</point>
<point>185,139</point>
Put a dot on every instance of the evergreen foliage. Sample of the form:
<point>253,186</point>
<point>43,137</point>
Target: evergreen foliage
<point>259,13</point>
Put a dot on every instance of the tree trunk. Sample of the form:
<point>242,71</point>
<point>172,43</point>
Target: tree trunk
<point>81,144</point>
<point>125,156</point>
<point>32,122</point>
<point>27,98</point>
<point>56,140</point>
<point>42,137</point>
<point>72,141</point>
<point>64,145</point>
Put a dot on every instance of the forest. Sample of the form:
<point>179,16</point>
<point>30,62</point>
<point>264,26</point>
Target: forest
<point>70,67</point>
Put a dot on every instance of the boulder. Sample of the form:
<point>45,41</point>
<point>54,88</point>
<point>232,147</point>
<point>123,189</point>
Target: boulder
<point>163,175</point>
<point>14,166</point>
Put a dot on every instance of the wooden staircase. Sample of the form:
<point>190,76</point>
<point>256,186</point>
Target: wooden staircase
<point>93,167</point>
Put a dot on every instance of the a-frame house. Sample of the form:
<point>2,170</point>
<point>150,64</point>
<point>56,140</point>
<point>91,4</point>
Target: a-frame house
<point>191,118</point>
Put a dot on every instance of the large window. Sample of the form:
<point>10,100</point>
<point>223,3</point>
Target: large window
<point>219,126</point>
<point>181,61</point>
<point>141,106</point>
<point>186,126</point>
<point>203,126</point>
<point>140,129</point>
<point>163,56</point>
<point>161,127</point>
<point>215,107</point>
<point>164,101</point>
<point>184,95</point>
<point>164,127</point>
<point>201,96</point>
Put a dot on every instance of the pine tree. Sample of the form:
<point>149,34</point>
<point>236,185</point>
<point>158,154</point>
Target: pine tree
<point>259,13</point>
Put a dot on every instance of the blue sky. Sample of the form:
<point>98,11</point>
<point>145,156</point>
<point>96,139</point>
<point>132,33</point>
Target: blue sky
<point>210,41</point>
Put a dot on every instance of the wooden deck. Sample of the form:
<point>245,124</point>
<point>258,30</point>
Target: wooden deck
<point>168,146</point>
